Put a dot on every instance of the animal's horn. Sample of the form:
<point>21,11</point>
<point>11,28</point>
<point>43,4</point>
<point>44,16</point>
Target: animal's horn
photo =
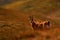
<point>31,18</point>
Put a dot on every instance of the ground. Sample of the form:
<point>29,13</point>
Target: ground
<point>15,22</point>
<point>18,27</point>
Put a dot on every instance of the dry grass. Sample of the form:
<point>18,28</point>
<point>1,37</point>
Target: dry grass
<point>15,24</point>
<point>19,28</point>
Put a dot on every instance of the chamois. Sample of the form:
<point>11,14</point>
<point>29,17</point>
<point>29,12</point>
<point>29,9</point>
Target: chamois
<point>39,25</point>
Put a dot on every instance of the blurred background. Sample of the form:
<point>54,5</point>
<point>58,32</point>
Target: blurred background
<point>15,22</point>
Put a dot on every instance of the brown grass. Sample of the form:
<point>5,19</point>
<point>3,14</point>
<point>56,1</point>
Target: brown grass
<point>17,27</point>
<point>15,24</point>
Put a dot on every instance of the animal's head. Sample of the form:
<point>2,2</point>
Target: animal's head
<point>31,18</point>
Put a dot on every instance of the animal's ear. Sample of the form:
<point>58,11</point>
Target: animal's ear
<point>30,17</point>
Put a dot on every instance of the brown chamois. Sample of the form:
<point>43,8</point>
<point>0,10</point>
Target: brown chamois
<point>39,25</point>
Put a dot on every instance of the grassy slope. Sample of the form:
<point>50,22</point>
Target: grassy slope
<point>44,6</point>
<point>16,25</point>
<point>13,25</point>
<point>14,4</point>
